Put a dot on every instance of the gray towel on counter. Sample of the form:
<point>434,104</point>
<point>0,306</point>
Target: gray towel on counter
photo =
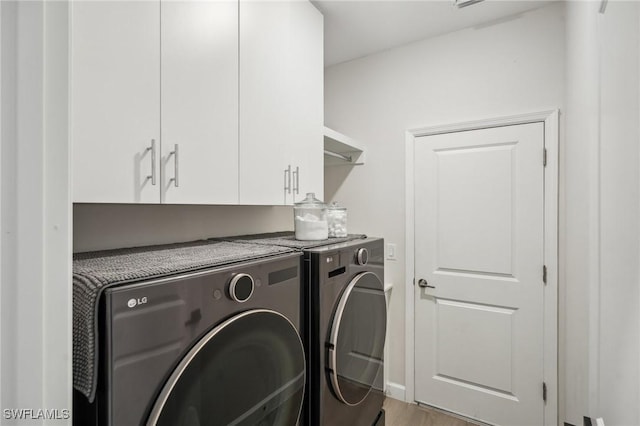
<point>288,239</point>
<point>95,271</point>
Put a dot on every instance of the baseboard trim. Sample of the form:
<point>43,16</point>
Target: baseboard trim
<point>396,391</point>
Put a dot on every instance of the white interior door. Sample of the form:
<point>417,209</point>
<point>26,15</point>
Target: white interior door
<point>479,222</point>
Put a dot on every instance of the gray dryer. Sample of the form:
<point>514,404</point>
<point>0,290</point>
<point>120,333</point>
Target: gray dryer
<point>216,347</point>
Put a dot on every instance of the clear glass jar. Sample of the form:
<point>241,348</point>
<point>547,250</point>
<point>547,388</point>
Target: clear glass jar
<point>337,218</point>
<point>310,219</point>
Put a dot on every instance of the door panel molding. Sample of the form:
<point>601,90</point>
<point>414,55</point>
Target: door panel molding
<point>550,119</point>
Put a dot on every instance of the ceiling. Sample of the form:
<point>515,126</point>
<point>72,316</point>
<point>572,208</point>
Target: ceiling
<point>355,28</point>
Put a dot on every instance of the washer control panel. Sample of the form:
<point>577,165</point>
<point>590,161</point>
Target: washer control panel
<point>241,287</point>
<point>362,256</point>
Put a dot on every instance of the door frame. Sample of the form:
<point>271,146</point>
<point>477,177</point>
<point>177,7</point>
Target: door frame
<point>550,120</point>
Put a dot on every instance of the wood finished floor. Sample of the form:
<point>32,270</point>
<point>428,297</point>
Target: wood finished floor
<point>398,413</point>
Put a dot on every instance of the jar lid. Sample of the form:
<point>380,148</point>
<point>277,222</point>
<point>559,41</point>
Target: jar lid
<point>311,201</point>
<point>335,206</point>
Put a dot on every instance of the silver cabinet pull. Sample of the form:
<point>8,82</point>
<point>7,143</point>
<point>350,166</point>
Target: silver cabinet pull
<point>287,180</point>
<point>424,284</point>
<point>296,187</point>
<point>176,161</point>
<point>152,148</point>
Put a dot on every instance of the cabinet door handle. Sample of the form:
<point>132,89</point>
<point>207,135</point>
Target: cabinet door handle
<point>152,148</point>
<point>287,180</point>
<point>176,161</point>
<point>296,187</point>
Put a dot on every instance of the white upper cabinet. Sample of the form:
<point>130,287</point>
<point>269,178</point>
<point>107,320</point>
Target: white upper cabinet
<point>115,101</point>
<point>281,101</point>
<point>307,100</point>
<point>264,34</point>
<point>196,102</point>
<point>199,54</point>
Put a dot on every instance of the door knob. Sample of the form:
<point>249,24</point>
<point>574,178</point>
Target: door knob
<point>424,284</point>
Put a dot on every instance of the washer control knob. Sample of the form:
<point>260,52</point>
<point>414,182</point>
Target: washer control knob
<point>241,287</point>
<point>362,256</point>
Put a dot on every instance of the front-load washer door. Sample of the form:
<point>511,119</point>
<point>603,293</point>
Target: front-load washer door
<point>248,370</point>
<point>357,339</point>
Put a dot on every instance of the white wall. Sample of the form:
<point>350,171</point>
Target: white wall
<point>579,265</point>
<point>22,245</point>
<point>56,218</point>
<point>601,337</point>
<point>513,66</point>
<point>619,338</point>
<point>36,211</point>
<point>107,226</point>
<point>7,156</point>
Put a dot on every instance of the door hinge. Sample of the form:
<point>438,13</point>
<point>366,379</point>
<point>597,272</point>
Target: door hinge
<point>544,391</point>
<point>544,157</point>
<point>544,274</point>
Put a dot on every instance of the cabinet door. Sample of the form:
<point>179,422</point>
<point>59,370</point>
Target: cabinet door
<point>264,101</point>
<point>306,80</point>
<point>281,100</point>
<point>200,101</point>
<point>115,101</point>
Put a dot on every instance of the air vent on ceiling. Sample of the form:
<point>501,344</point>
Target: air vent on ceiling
<point>464,3</point>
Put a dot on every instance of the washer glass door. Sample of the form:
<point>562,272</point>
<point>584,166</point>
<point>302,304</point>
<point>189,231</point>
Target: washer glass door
<point>249,370</point>
<point>357,339</point>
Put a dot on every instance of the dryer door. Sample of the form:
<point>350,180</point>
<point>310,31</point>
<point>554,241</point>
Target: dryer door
<point>357,339</point>
<point>248,370</point>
